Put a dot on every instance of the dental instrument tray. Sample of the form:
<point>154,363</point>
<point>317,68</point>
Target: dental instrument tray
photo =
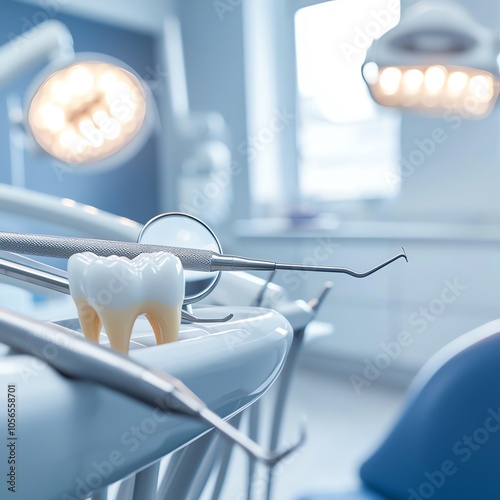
<point>81,425</point>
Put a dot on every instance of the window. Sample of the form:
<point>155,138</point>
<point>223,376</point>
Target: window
<point>345,147</point>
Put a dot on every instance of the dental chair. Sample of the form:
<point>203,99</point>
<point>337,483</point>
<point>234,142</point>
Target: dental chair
<point>445,445</point>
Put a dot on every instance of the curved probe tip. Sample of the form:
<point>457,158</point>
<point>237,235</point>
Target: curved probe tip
<point>189,318</point>
<point>404,254</point>
<point>276,457</point>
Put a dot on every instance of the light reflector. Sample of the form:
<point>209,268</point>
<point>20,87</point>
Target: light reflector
<point>87,111</point>
<point>435,88</point>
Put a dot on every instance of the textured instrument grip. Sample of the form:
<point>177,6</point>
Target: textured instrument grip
<point>63,247</point>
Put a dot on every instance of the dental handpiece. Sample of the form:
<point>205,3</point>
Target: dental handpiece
<point>192,259</point>
<point>75,357</point>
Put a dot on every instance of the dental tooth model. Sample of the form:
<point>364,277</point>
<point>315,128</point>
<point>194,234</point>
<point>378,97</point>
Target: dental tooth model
<point>113,291</point>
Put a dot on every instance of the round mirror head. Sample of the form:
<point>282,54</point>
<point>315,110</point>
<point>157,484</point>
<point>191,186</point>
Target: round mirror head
<point>177,229</point>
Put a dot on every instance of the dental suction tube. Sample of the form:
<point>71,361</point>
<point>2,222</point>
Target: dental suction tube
<point>192,259</point>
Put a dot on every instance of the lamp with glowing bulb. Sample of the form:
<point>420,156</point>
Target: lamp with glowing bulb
<point>436,59</point>
<point>87,110</point>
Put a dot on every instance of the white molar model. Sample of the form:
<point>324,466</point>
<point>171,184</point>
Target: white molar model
<point>113,291</point>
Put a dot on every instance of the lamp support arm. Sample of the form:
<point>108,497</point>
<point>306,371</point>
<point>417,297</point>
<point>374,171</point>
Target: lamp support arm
<point>47,41</point>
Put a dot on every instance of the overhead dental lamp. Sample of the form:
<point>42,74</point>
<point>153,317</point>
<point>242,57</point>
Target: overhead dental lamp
<point>85,110</point>
<point>436,59</point>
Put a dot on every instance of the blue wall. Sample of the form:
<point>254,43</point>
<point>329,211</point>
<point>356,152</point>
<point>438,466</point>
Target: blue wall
<point>214,59</point>
<point>129,190</point>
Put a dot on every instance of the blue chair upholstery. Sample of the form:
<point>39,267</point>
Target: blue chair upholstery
<point>446,443</point>
<point>353,495</point>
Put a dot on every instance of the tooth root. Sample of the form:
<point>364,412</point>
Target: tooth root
<point>118,325</point>
<point>89,321</point>
<point>165,321</point>
<point>100,287</point>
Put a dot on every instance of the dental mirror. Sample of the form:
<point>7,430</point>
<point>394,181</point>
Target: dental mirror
<point>178,229</point>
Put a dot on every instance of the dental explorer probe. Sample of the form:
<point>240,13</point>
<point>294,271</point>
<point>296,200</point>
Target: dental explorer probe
<point>78,358</point>
<point>192,259</point>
